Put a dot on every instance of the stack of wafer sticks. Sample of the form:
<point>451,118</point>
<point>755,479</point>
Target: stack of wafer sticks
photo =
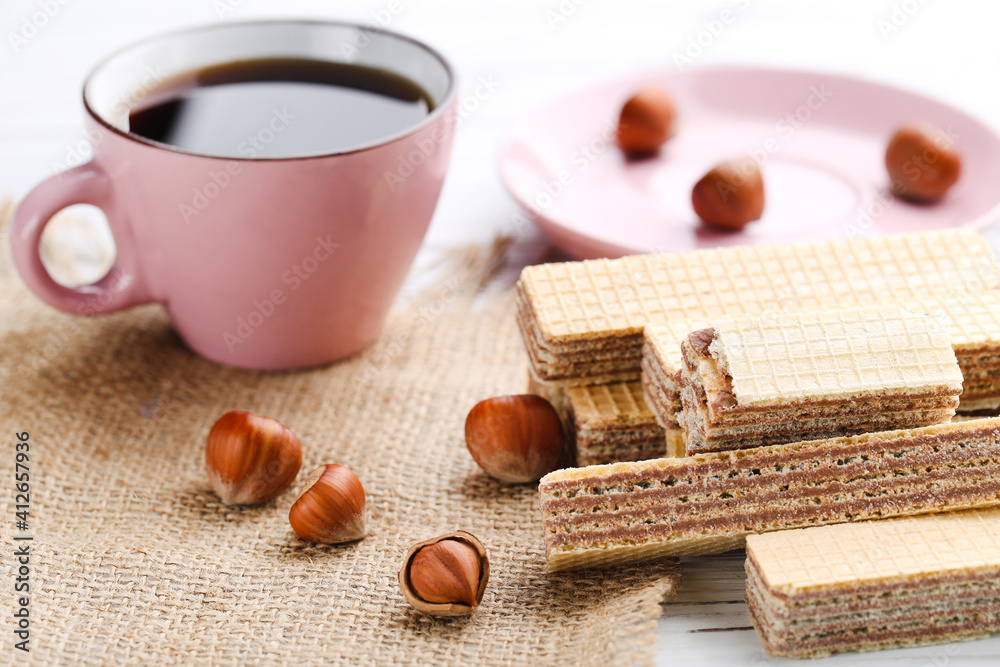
<point>583,322</point>
<point>622,321</point>
<point>611,422</point>
<point>799,387</point>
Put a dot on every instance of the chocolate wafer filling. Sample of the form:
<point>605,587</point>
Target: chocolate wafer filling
<point>700,340</point>
<point>695,500</point>
<point>873,585</point>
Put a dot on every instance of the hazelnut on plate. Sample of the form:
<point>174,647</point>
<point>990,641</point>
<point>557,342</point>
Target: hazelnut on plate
<point>515,439</point>
<point>731,195</point>
<point>646,122</point>
<point>922,162</point>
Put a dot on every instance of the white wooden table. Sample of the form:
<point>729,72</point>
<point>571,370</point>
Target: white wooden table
<point>532,51</point>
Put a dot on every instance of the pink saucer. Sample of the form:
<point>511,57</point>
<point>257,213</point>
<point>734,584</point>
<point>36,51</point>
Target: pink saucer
<point>820,139</point>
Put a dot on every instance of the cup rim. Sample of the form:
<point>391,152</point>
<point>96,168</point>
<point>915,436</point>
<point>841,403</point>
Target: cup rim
<point>441,109</point>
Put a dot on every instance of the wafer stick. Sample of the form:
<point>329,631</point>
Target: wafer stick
<point>582,322</point>
<point>876,585</point>
<point>761,380</point>
<point>709,503</point>
<point>612,422</point>
<point>971,320</point>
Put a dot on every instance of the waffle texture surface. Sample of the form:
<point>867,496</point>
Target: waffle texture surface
<point>876,585</point>
<point>598,298</point>
<point>834,355</point>
<point>708,503</point>
<point>831,558</point>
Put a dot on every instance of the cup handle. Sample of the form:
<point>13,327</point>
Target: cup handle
<point>86,184</point>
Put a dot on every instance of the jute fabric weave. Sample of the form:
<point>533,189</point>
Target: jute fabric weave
<point>135,560</point>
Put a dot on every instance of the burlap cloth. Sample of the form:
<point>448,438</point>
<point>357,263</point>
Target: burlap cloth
<point>135,560</point>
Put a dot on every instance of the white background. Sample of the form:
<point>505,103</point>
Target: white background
<point>533,51</point>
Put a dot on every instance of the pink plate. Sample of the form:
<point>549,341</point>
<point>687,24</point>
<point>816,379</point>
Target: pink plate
<point>820,139</point>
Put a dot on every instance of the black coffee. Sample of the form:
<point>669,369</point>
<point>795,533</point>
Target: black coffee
<point>279,107</point>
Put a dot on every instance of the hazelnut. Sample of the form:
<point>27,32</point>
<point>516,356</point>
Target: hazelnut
<point>251,459</point>
<point>331,507</point>
<point>646,122</point>
<point>731,195</point>
<point>515,438</point>
<point>922,162</point>
<point>447,575</point>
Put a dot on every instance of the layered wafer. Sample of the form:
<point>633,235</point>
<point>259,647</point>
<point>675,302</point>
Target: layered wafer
<point>971,319</point>
<point>611,422</point>
<point>709,503</point>
<point>661,373</point>
<point>582,322</point>
<point>973,323</point>
<point>876,585</point>
<point>763,380</point>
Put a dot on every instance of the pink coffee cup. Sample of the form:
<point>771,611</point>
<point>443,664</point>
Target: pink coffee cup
<point>264,263</point>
